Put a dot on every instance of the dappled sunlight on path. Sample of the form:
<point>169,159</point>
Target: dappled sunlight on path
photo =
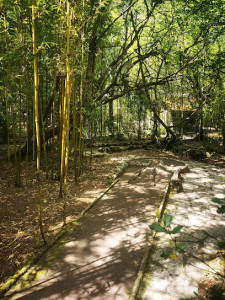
<point>101,257</point>
<point>204,229</point>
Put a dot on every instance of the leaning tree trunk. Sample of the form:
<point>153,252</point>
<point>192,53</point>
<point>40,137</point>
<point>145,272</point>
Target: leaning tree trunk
<point>152,106</point>
<point>155,126</point>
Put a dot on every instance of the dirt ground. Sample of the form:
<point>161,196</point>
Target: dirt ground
<point>19,232</point>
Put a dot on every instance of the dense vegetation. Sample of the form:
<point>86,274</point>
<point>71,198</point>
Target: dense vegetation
<point>78,70</point>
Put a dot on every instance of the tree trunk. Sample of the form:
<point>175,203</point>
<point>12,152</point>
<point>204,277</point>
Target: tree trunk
<point>62,143</point>
<point>201,131</point>
<point>11,104</point>
<point>81,96</point>
<point>223,134</point>
<point>111,119</point>
<point>101,125</point>
<point>67,112</point>
<point>139,120</point>
<point>155,126</point>
<point>152,106</point>
<point>53,117</point>
<point>36,102</point>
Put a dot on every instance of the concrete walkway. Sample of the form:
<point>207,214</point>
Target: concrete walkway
<point>101,257</point>
<point>179,277</point>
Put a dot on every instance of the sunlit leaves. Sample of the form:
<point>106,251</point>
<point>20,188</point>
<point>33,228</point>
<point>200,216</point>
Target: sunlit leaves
<point>167,220</point>
<point>157,227</point>
<point>175,248</point>
<point>180,247</point>
<point>166,254</point>
<point>218,201</point>
<point>221,209</point>
<point>176,230</point>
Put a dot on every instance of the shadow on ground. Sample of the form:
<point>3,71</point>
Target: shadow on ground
<point>101,257</point>
<point>178,277</point>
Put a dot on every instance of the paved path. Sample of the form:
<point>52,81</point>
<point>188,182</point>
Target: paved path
<point>204,228</point>
<point>102,256</point>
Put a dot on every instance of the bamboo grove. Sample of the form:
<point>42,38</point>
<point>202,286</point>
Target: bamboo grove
<point>72,69</point>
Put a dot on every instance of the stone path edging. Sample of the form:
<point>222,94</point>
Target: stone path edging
<point>175,174</point>
<point>189,274</point>
<point>117,173</point>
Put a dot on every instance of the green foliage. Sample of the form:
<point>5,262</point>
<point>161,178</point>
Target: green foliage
<point>176,247</point>
<point>218,201</point>
<point>167,220</point>
<point>109,180</point>
<point>181,48</point>
<point>172,35</point>
<point>196,294</point>
<point>157,227</point>
<point>176,230</point>
<point>221,209</point>
<point>181,247</point>
<point>221,245</point>
<point>166,254</point>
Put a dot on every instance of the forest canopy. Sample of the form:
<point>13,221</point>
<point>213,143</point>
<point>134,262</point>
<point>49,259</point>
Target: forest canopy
<point>72,69</point>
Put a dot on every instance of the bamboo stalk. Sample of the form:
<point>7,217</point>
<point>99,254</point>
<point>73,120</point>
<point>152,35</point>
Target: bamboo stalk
<point>54,119</point>
<point>62,165</point>
<point>67,121</point>
<point>11,103</point>
<point>81,95</point>
<point>36,102</point>
<point>74,104</point>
